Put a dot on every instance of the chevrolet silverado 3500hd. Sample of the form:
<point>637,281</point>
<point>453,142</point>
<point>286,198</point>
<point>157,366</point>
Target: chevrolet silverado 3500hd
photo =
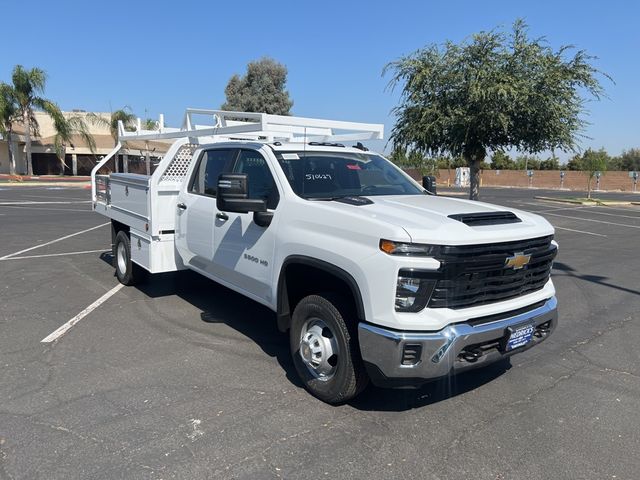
<point>374,277</point>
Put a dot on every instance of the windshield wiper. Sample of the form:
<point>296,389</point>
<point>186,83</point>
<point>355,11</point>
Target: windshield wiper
<point>356,200</point>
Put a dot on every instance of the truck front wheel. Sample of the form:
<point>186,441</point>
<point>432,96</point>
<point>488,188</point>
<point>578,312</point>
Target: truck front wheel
<point>128,273</point>
<point>325,349</point>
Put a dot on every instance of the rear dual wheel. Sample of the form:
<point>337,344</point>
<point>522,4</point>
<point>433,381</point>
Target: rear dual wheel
<point>323,341</point>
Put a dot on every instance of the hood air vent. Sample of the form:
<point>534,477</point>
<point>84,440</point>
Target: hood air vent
<point>355,200</point>
<point>485,218</point>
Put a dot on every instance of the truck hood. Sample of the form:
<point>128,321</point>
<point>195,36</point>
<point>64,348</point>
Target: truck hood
<point>426,219</point>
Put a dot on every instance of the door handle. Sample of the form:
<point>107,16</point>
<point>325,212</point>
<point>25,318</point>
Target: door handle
<point>222,216</point>
<point>182,206</point>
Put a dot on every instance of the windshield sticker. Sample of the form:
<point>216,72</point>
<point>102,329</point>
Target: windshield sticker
<point>318,176</point>
<point>290,156</point>
<point>355,166</point>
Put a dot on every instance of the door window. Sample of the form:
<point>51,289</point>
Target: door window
<point>211,164</point>
<point>260,181</point>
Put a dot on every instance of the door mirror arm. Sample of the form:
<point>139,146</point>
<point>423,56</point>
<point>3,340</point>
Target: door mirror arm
<point>262,219</point>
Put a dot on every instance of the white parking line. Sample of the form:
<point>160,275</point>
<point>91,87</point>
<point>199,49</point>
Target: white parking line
<point>593,220</point>
<point>33,202</point>
<point>55,335</point>
<point>49,197</point>
<point>62,209</point>
<point>53,241</point>
<point>635,217</point>
<point>579,231</point>
<point>53,255</point>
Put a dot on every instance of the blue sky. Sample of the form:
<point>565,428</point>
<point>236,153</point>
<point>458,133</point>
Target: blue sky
<point>160,57</point>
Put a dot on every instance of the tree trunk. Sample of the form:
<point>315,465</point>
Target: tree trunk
<point>12,159</point>
<point>147,158</point>
<point>474,177</point>
<point>27,144</point>
<point>474,157</point>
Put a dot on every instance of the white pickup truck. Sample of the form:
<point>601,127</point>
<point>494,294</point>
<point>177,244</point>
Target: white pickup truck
<point>374,277</point>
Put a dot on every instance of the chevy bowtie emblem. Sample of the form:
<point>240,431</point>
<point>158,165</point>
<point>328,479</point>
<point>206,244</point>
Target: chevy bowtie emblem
<point>517,261</point>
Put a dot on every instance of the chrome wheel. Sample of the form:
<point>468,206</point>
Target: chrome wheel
<point>121,258</point>
<point>318,349</point>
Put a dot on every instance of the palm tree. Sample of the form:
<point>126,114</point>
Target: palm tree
<point>124,115</point>
<point>150,124</point>
<point>66,128</point>
<point>8,114</point>
<point>27,85</point>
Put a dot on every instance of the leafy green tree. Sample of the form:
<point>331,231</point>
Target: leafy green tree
<point>575,163</point>
<point>28,85</point>
<point>592,162</point>
<point>262,89</point>
<point>8,114</point>
<point>502,161</point>
<point>415,160</point>
<point>527,162</point>
<point>491,92</point>
<point>629,160</point>
<point>551,163</point>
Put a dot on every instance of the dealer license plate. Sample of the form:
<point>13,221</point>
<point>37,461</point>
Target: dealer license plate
<point>519,336</point>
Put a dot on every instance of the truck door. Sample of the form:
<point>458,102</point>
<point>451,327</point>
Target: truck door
<point>244,251</point>
<point>196,209</point>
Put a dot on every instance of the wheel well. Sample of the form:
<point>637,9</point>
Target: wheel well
<point>115,228</point>
<point>305,276</point>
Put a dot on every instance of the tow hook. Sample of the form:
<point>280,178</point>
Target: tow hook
<point>472,355</point>
<point>542,330</point>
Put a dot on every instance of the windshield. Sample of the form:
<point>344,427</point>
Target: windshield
<point>326,175</point>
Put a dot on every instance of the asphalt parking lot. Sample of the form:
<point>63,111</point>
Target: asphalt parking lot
<point>182,378</point>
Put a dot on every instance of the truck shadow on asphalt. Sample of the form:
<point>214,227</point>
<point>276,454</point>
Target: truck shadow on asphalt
<point>399,400</point>
<point>220,305</point>
<point>568,271</point>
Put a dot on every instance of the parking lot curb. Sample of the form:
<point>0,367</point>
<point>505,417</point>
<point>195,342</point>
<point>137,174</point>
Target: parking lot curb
<point>587,202</point>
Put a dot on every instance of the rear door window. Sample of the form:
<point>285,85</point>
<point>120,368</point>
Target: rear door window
<point>260,181</point>
<point>211,164</point>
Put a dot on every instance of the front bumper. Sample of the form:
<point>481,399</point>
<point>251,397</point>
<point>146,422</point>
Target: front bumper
<point>400,358</point>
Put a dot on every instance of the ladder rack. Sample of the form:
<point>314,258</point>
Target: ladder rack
<point>258,127</point>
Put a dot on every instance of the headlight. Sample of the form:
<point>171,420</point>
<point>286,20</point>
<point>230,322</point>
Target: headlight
<point>413,290</point>
<point>409,249</point>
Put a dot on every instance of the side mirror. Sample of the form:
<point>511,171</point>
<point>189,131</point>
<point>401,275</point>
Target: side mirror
<point>429,184</point>
<point>233,193</point>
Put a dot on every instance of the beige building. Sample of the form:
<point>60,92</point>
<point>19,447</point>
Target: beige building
<point>79,160</point>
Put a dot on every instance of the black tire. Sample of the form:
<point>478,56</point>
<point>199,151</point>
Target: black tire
<point>128,273</point>
<point>348,377</point>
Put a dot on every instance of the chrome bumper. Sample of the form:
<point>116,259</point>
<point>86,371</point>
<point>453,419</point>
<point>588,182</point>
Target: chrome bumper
<point>455,348</point>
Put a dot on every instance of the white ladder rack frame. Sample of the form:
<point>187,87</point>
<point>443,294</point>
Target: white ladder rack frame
<point>260,127</point>
<point>255,127</point>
